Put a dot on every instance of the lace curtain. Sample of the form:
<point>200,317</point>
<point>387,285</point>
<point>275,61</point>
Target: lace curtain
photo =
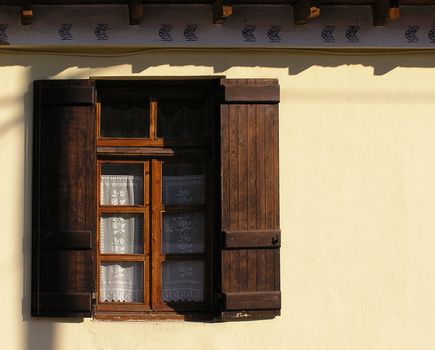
<point>121,190</point>
<point>183,233</point>
<point>121,282</point>
<point>183,281</point>
<point>122,233</point>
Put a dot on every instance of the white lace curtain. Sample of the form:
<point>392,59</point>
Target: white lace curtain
<point>123,234</point>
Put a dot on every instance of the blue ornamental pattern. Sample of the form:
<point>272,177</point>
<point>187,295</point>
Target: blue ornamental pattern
<point>431,35</point>
<point>273,34</point>
<point>100,32</point>
<point>164,32</point>
<point>189,32</point>
<point>328,34</point>
<point>351,34</point>
<point>3,34</point>
<point>65,32</point>
<point>411,34</point>
<point>248,33</point>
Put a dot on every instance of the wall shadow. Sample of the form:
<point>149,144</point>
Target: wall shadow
<point>218,60</point>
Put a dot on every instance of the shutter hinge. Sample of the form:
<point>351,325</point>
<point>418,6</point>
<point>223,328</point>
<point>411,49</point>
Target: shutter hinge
<point>94,296</point>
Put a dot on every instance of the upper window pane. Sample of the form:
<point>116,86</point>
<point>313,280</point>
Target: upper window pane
<point>125,120</point>
<point>178,119</point>
<point>121,184</point>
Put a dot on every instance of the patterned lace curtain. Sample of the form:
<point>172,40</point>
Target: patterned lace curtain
<point>183,233</point>
<point>121,234</point>
<point>183,281</point>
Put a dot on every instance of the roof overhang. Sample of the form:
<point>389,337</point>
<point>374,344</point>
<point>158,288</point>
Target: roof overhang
<point>303,10</point>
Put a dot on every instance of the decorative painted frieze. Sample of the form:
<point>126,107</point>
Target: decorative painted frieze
<point>192,26</point>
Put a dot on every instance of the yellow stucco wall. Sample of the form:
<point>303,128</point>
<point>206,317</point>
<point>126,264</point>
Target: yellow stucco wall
<point>357,187</point>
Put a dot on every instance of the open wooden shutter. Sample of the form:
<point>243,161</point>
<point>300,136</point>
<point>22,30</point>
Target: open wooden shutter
<point>63,198</point>
<point>250,280</point>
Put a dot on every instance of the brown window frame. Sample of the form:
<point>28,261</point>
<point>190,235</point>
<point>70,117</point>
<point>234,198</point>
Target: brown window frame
<point>152,152</point>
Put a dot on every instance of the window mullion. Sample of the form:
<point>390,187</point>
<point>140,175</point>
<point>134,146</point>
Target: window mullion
<point>153,119</point>
<point>156,249</point>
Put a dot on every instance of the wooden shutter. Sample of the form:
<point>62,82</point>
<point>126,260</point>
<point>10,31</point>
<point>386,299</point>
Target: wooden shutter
<point>250,270</point>
<point>63,198</point>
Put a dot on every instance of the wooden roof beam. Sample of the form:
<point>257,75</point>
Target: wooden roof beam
<point>301,11</point>
<point>380,11</point>
<point>305,9</point>
<point>383,10</point>
<point>135,11</point>
<point>26,12</point>
<point>222,9</point>
<point>394,12</point>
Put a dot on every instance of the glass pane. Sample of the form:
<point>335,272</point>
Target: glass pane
<point>121,282</point>
<point>183,232</point>
<point>121,184</point>
<point>183,184</point>
<point>181,119</point>
<point>126,120</point>
<point>121,233</point>
<point>183,280</point>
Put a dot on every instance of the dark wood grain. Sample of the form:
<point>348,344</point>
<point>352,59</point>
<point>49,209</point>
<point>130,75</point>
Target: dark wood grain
<point>222,9</point>
<point>135,11</point>
<point>63,196</point>
<point>252,239</point>
<point>66,240</point>
<point>250,192</point>
<point>252,300</point>
<point>301,11</point>
<point>249,315</point>
<point>55,302</point>
<point>380,11</point>
<point>252,93</point>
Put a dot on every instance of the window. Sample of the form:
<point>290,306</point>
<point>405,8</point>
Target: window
<point>156,199</point>
<point>155,209</point>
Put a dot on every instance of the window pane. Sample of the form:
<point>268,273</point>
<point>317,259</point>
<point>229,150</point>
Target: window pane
<point>121,184</point>
<point>121,282</point>
<point>121,233</point>
<point>180,119</point>
<point>183,280</point>
<point>126,120</point>
<point>183,233</point>
<point>183,184</point>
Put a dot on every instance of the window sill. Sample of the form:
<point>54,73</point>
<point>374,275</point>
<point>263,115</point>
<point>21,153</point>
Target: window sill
<point>153,316</point>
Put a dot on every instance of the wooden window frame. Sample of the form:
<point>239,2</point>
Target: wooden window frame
<point>153,152</point>
<point>144,258</point>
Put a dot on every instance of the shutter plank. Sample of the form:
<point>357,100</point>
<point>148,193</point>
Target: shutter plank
<point>249,315</point>
<point>250,199</point>
<point>55,302</point>
<point>252,300</point>
<point>252,93</point>
<point>63,198</point>
<point>60,94</point>
<point>65,240</point>
<point>252,238</point>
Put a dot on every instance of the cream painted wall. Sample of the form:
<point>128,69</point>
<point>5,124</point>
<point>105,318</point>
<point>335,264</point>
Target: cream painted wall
<point>357,187</point>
